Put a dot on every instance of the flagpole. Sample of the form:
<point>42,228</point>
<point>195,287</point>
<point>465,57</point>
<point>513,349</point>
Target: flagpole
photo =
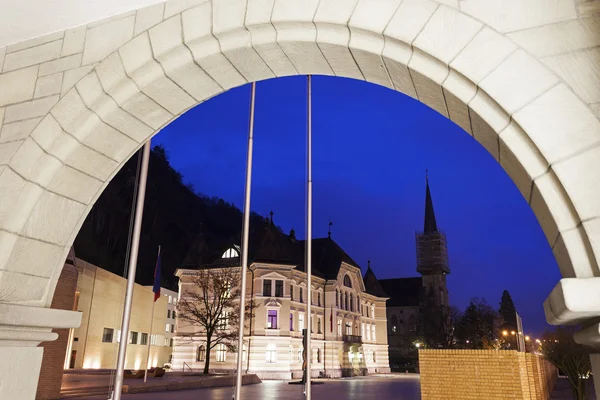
<point>156,279</point>
<point>309,238</point>
<point>245,233</point>
<point>135,245</point>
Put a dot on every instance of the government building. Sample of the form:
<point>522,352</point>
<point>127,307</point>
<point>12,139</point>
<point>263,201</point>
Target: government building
<point>349,327</point>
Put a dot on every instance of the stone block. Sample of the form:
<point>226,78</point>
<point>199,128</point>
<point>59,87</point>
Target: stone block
<point>177,60</point>
<point>263,37</point>
<point>458,92</point>
<point>561,37</point>
<point>32,56</point>
<point>428,74</point>
<point>2,54</point>
<point>11,185</point>
<point>573,252</point>
<point>592,230</point>
<point>53,218</point>
<point>104,39</point>
<point>34,42</point>
<point>18,130</point>
<point>567,130</point>
<point>580,70</point>
<point>60,65</point>
<point>51,137</point>
<point>75,185</point>
<point>173,7</point>
<point>32,163</point>
<point>147,17</point>
<point>48,85</point>
<point>520,158</point>
<point>483,54</point>
<point>7,150</point>
<point>517,81</point>
<point>72,76</point>
<point>446,34</point>
<point>409,19</point>
<point>11,291</point>
<point>74,41</point>
<point>552,207</point>
<point>197,24</point>
<point>91,162</point>
<point>19,209</point>
<point>29,256</point>
<point>30,109</point>
<point>580,177</point>
<point>512,15</point>
<point>149,76</point>
<point>68,109</point>
<point>17,86</point>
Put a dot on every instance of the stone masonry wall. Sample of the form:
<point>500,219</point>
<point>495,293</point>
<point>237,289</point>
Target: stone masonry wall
<point>54,352</point>
<point>484,374</point>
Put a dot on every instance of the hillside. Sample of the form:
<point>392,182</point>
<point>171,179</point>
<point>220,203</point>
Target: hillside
<point>174,217</point>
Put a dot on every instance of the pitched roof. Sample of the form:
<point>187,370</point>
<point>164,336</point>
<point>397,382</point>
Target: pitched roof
<point>430,225</point>
<point>372,284</point>
<point>269,245</point>
<point>402,292</point>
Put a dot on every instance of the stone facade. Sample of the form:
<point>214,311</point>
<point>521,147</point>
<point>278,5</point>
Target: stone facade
<point>100,297</point>
<point>348,324</point>
<point>485,374</point>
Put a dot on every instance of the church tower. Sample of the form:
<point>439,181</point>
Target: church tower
<point>432,257</point>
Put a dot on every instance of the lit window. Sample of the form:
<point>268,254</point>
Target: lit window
<point>201,353</point>
<point>170,300</point>
<point>272,319</point>
<point>168,328</point>
<point>271,353</point>
<point>301,322</point>
<point>373,332</point>
<point>363,330</point>
<point>153,339</point>
<point>107,335</point>
<point>348,328</point>
<point>221,352</point>
<point>339,327</point>
<point>230,253</point>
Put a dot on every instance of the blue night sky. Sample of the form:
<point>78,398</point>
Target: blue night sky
<point>371,147</point>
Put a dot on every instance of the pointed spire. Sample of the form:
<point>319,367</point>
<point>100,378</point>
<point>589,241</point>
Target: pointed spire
<point>430,223</point>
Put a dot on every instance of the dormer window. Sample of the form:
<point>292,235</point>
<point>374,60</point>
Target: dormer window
<point>347,281</point>
<point>232,252</point>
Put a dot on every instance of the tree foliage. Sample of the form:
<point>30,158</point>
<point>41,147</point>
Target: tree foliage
<point>508,312</point>
<point>478,327</point>
<point>439,326</point>
<point>571,358</point>
<point>208,311</point>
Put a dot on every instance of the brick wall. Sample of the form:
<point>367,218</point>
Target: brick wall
<point>54,352</point>
<point>484,374</point>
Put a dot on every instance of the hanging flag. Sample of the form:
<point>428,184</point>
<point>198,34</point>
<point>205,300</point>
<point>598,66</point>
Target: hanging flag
<point>156,287</point>
<point>331,321</point>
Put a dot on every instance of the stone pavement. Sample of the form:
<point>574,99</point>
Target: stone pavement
<point>398,387</point>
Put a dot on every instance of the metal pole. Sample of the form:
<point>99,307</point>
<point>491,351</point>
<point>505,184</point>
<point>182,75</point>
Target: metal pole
<point>309,238</point>
<point>149,340</point>
<point>135,245</point>
<point>245,232</point>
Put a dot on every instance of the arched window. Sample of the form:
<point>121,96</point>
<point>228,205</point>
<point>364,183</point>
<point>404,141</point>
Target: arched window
<point>231,252</point>
<point>351,303</point>
<point>337,299</point>
<point>347,281</point>
<point>346,302</point>
<point>358,309</point>
<point>201,353</point>
<point>394,322</point>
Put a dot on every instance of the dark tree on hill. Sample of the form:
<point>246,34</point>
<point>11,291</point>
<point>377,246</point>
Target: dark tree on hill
<point>173,217</point>
<point>508,312</point>
<point>478,326</point>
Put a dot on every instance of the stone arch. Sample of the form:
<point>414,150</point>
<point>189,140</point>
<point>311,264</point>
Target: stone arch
<point>60,150</point>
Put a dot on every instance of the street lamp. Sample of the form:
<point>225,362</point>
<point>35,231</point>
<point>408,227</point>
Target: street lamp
<point>513,333</point>
<point>504,333</point>
<point>418,345</point>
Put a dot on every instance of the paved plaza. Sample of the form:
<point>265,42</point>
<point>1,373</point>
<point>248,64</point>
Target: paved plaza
<point>400,387</point>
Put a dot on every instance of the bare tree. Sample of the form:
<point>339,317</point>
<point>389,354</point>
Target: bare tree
<point>571,358</point>
<point>210,307</point>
